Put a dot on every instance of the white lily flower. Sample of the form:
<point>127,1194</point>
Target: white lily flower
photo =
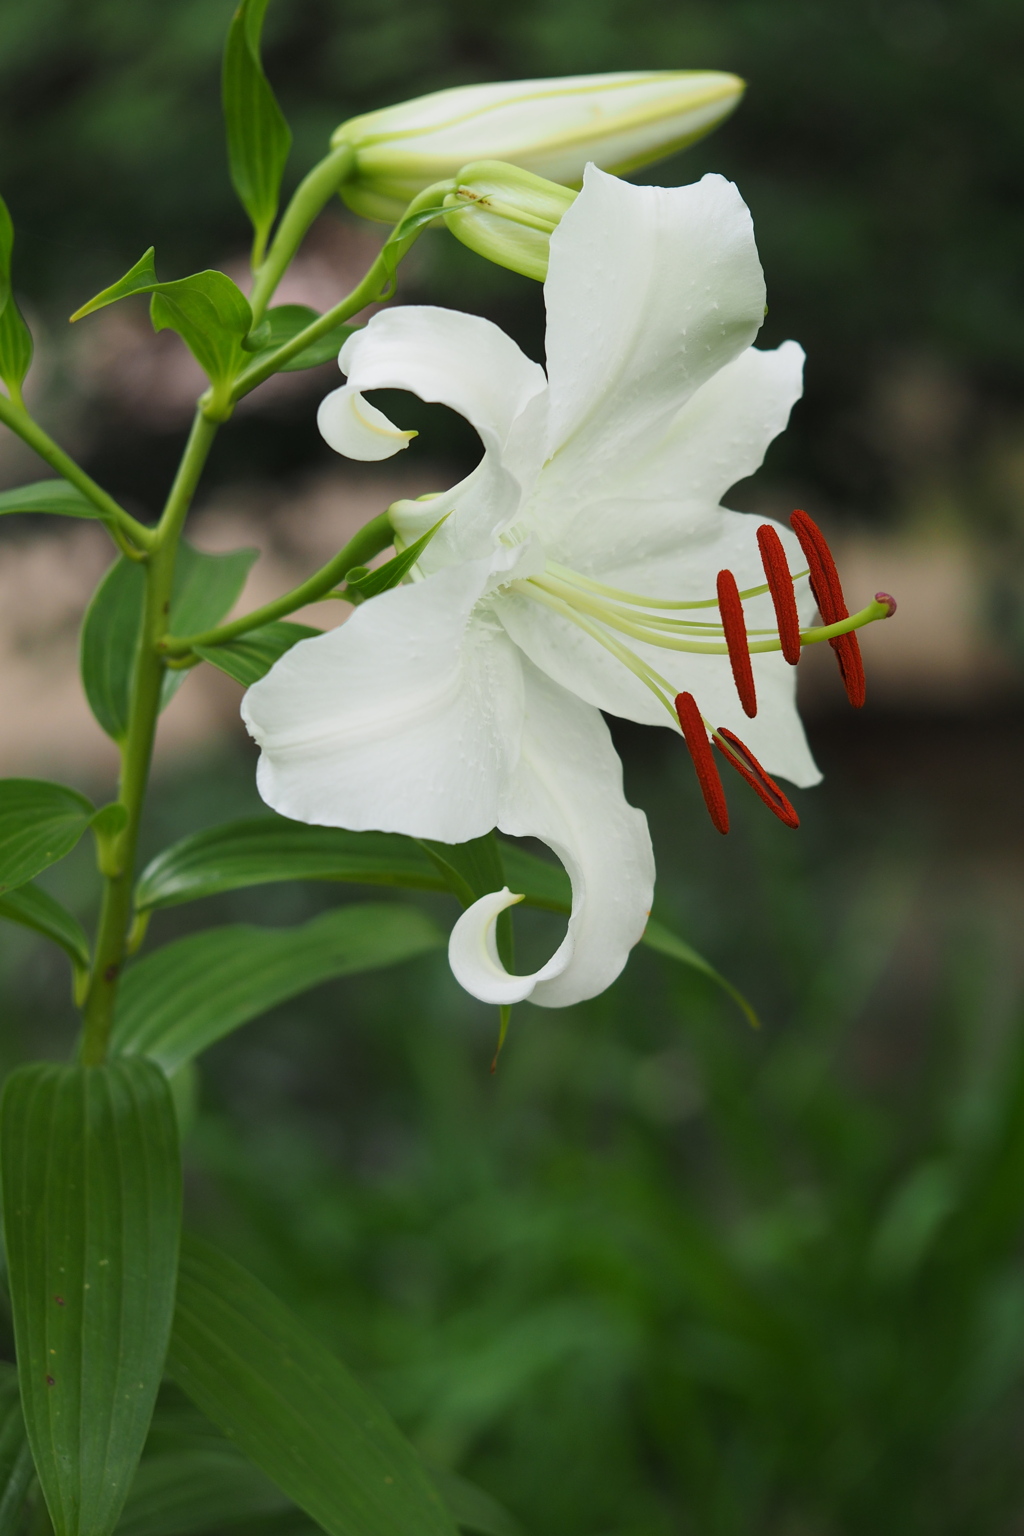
<point>562,580</point>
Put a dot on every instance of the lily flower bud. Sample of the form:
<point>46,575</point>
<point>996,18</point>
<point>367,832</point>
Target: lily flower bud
<point>507,214</point>
<point>550,127</point>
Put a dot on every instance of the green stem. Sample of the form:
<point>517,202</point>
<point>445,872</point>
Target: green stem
<point>372,287</point>
<point>137,747</point>
<point>376,535</point>
<point>313,193</point>
<point>20,422</point>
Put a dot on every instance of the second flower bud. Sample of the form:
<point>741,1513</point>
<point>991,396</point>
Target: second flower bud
<point>507,214</point>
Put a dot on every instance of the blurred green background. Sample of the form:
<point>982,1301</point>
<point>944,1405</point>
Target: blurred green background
<point>660,1274</point>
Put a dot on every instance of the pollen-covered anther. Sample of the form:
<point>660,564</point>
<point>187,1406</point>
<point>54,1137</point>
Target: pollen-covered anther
<point>828,594</point>
<point>696,738</point>
<point>730,606</point>
<point>780,585</point>
<point>739,756</point>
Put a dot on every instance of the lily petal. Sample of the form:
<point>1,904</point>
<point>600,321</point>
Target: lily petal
<point>635,531</point>
<point>405,719</point>
<point>650,291</point>
<point>566,789</point>
<point>461,361</point>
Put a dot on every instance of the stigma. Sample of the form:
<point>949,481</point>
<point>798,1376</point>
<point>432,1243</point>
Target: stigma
<point>614,617</point>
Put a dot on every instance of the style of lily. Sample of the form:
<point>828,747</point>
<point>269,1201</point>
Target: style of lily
<point>586,564</point>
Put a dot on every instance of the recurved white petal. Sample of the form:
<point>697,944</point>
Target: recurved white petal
<point>650,290</point>
<point>405,719</point>
<point>566,789</point>
<point>445,355</point>
<point>352,426</point>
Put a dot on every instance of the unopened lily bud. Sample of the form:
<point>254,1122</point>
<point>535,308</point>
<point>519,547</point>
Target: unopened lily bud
<point>507,214</point>
<point>550,127</point>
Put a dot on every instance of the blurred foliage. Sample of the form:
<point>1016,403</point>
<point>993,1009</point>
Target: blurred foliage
<point>662,1274</point>
<point>880,147</point>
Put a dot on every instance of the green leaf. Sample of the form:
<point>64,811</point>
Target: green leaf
<point>92,1201</point>
<point>48,496</point>
<point>16,1469</point>
<point>268,848</point>
<point>15,337</point>
<point>36,909</point>
<point>205,587</point>
<point>39,824</point>
<point>110,638</point>
<point>141,278</point>
<point>541,882</point>
<point>182,998</point>
<point>251,656</point>
<point>287,320</point>
<point>209,312</point>
<point>258,136</point>
<point>367,583</point>
<point>657,936</point>
<point>292,1408</point>
<point>212,317</point>
<point>191,1491</point>
<point>471,1508</point>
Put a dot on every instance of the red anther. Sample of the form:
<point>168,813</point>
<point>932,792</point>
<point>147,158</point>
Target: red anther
<point>824,578</point>
<point>696,739</point>
<point>730,606</point>
<point>851,668</point>
<point>828,594</point>
<point>780,585</point>
<point>761,782</point>
<point>888,600</point>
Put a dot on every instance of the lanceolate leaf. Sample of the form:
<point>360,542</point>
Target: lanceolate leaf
<point>471,1508</point>
<point>34,908</point>
<point>110,637</point>
<point>287,320</point>
<point>212,317</point>
<point>370,583</point>
<point>39,824</point>
<point>258,136</point>
<point>47,496</point>
<point>267,848</point>
<point>15,338</point>
<point>658,937</point>
<point>205,587</point>
<point>197,1490</point>
<point>180,999</point>
<point>292,1408</point>
<point>16,1469</point>
<point>251,656</point>
<point>209,312</point>
<point>92,1198</point>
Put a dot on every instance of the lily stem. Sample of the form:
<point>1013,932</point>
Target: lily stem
<point>137,746</point>
<point>116,518</point>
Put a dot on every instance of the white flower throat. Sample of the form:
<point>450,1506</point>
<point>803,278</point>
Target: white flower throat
<point>612,617</point>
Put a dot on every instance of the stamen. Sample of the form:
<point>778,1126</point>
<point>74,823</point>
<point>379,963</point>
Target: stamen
<point>735,630</point>
<point>740,757</point>
<point>780,585</point>
<point>828,594</point>
<point>696,739</point>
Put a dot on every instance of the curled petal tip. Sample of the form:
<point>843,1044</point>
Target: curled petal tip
<point>473,954</point>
